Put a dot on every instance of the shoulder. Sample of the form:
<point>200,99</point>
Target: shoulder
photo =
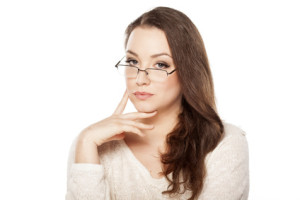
<point>228,166</point>
<point>233,144</point>
<point>234,136</point>
<point>231,130</point>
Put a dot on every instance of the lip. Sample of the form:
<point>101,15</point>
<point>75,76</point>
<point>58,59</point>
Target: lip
<point>142,95</point>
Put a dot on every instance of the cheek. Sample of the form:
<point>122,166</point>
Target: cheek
<point>130,85</point>
<point>172,86</point>
<point>169,93</point>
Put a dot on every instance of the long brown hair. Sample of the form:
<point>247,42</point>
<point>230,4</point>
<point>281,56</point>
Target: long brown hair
<point>199,128</point>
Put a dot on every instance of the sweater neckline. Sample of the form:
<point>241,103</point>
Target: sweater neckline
<point>155,181</point>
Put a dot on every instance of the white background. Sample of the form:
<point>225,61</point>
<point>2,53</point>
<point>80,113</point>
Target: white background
<point>57,76</point>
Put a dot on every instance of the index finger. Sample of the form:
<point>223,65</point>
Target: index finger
<point>122,104</point>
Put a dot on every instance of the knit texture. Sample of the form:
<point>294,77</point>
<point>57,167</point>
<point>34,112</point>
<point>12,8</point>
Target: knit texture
<point>120,176</point>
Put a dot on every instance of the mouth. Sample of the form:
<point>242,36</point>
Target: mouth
<point>142,95</point>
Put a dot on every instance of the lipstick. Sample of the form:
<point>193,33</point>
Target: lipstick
<point>142,95</point>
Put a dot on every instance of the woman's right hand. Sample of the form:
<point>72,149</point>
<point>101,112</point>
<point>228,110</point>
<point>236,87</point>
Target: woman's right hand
<point>111,128</point>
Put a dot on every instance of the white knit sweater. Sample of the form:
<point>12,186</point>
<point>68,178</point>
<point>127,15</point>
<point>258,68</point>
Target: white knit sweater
<point>122,177</point>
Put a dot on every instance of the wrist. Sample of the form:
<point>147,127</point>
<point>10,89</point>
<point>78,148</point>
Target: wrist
<point>86,151</point>
<point>86,137</point>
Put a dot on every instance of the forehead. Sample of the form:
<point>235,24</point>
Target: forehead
<point>148,40</point>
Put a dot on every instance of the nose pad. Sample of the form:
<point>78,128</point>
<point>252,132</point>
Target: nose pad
<point>142,78</point>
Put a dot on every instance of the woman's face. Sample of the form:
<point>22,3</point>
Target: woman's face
<point>147,47</point>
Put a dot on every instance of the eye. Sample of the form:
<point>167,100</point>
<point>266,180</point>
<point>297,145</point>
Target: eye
<point>131,62</point>
<point>162,65</point>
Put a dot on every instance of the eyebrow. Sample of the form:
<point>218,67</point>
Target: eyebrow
<point>153,56</point>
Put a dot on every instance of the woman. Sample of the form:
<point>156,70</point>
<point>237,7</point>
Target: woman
<point>175,146</point>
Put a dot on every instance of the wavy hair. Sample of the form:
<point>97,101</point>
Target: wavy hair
<point>199,128</point>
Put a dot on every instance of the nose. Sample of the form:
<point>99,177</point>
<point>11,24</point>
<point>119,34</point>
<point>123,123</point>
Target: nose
<point>142,78</point>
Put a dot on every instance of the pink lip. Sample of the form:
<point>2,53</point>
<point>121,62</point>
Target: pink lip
<point>142,95</point>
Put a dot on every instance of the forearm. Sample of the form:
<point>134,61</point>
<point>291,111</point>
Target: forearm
<point>86,152</point>
<point>85,179</point>
<point>87,182</point>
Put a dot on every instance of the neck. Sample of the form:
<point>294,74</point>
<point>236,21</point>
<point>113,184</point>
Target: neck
<point>164,122</point>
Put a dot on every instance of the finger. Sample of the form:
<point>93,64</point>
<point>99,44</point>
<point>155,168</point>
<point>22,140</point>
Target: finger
<point>117,137</point>
<point>138,125</point>
<point>138,115</point>
<point>122,104</point>
<point>132,129</point>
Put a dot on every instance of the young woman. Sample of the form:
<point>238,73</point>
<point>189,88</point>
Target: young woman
<point>175,146</point>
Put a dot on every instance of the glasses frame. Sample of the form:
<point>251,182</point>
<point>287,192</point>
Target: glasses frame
<point>145,70</point>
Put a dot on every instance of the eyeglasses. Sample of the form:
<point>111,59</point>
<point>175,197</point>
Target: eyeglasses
<point>129,70</point>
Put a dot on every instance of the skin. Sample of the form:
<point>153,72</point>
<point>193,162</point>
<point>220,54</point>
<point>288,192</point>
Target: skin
<point>144,131</point>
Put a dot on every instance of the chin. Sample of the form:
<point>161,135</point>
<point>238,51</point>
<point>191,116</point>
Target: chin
<point>144,108</point>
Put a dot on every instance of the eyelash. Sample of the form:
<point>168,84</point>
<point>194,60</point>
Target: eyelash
<point>130,60</point>
<point>163,64</point>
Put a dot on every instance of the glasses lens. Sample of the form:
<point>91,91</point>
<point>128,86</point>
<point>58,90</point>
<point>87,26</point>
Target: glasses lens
<point>157,75</point>
<point>127,71</point>
<point>130,71</point>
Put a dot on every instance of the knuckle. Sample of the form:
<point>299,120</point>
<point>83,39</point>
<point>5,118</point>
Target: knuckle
<point>116,116</point>
<point>116,121</point>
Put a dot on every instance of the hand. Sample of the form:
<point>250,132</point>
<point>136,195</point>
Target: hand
<point>111,128</point>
